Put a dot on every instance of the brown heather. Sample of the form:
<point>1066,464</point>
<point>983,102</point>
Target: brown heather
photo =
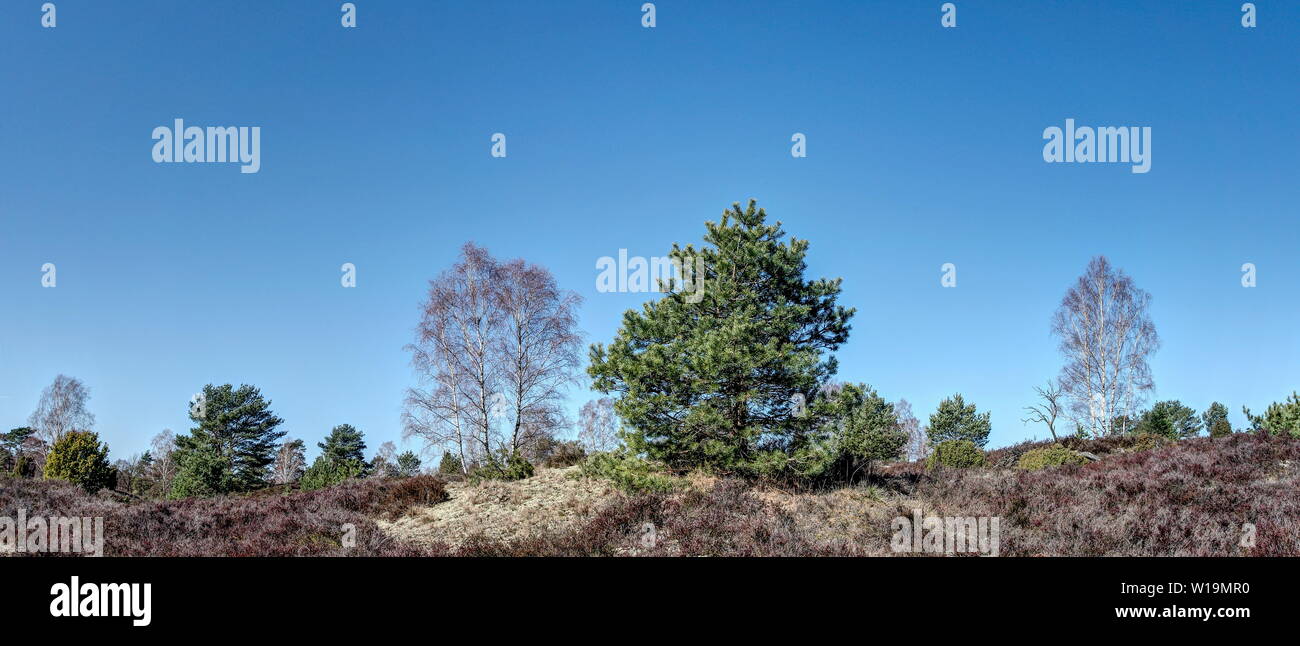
<point>266,524</point>
<point>1189,498</point>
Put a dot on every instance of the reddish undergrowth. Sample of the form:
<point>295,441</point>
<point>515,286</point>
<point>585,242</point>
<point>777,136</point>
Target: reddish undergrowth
<point>1197,497</point>
<point>300,524</point>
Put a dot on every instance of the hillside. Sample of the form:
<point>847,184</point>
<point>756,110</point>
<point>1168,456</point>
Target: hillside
<point>1191,498</point>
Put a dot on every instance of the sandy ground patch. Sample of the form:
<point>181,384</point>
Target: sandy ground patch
<point>504,511</point>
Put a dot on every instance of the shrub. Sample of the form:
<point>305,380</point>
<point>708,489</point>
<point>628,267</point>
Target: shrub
<point>959,454</point>
<point>627,471</point>
<point>1051,456</point>
<point>1147,442</point>
<point>726,519</point>
<point>565,454</point>
<point>325,472</point>
<point>1008,456</point>
<point>201,472</point>
<point>79,458</point>
<point>503,465</point>
<point>1125,443</point>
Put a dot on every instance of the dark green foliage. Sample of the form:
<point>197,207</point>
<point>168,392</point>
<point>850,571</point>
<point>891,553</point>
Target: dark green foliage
<point>627,472</point>
<point>408,465</point>
<point>959,454</point>
<point>504,465</point>
<point>867,426</point>
<point>201,472</point>
<point>344,443</point>
<point>557,454</point>
<point>11,450</point>
<point>862,428</point>
<point>79,458</point>
<point>1148,441</point>
<point>1128,443</point>
<point>1169,419</point>
<point>1215,420</point>
<point>1008,457</point>
<point>1221,428</point>
<point>1050,456</point>
<point>449,465</point>
<point>325,472</point>
<point>957,420</point>
<point>236,427</point>
<point>12,441</point>
<point>1279,419</point>
<point>711,374</point>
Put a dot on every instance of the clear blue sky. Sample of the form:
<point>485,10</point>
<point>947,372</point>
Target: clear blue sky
<point>924,147</point>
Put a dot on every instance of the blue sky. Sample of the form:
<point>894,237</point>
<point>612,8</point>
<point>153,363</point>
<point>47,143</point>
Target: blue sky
<point>924,147</point>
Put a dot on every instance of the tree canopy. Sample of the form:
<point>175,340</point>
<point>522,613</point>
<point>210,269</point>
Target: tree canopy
<point>724,371</point>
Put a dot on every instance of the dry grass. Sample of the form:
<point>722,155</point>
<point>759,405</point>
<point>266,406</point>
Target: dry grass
<point>549,502</point>
<point>555,513</point>
<point>856,517</point>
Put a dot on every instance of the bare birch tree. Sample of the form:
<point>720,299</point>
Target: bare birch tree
<point>290,462</point>
<point>163,468</point>
<point>62,409</point>
<point>1106,335</point>
<point>495,347</point>
<point>597,426</point>
<point>384,464</point>
<point>538,351</point>
<point>918,441</point>
<point>452,356</point>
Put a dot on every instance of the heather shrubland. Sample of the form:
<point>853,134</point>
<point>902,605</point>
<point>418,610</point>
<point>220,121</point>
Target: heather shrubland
<point>1191,498</point>
<point>1188,498</point>
<point>268,523</point>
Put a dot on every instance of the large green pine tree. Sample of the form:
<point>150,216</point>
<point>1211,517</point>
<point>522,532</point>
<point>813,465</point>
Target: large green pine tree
<point>724,370</point>
<point>342,456</point>
<point>957,420</point>
<point>232,444</point>
<point>344,443</point>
